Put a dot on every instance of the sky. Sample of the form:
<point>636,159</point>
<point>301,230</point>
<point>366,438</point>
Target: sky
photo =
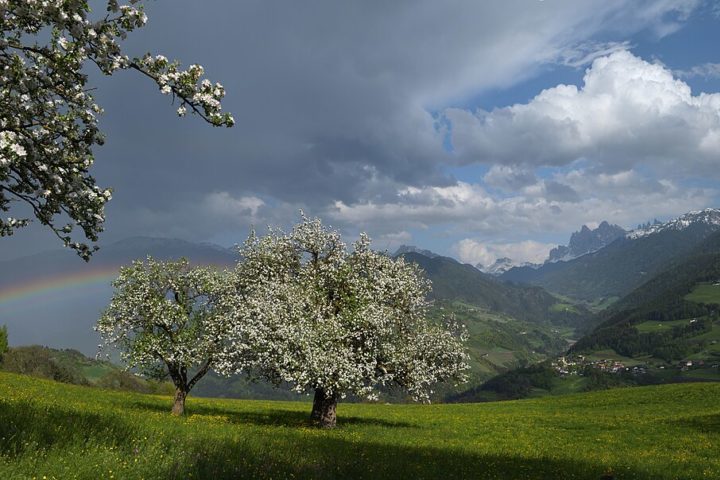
<point>477,130</point>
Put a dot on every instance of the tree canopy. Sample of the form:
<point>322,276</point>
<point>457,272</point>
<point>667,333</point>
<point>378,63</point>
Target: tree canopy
<point>169,319</point>
<point>326,319</point>
<point>49,118</point>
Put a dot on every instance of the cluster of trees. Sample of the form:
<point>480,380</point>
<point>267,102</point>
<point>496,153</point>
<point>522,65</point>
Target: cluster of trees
<point>68,366</point>
<point>300,309</point>
<point>600,380</point>
<point>511,385</point>
<point>41,362</point>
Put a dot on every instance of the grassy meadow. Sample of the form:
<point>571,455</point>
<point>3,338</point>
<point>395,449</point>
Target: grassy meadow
<point>708,293</point>
<point>52,430</point>
<point>653,326</point>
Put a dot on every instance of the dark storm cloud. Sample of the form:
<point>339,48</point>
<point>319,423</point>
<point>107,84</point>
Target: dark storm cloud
<point>333,100</point>
<point>560,192</point>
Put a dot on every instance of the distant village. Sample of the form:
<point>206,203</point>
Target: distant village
<point>578,365</point>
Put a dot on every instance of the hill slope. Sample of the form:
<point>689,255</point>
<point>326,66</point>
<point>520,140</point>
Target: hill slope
<point>509,325</point>
<point>456,281</point>
<point>72,367</point>
<point>60,431</point>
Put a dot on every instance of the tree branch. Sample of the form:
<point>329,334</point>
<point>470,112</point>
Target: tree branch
<point>201,373</point>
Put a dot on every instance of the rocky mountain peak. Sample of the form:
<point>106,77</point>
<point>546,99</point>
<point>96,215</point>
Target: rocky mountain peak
<point>586,241</point>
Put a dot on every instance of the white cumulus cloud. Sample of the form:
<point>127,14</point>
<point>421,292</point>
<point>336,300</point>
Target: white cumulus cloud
<point>627,112</point>
<point>475,252</point>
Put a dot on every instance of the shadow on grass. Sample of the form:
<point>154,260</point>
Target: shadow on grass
<point>267,417</point>
<point>27,428</point>
<point>329,457</point>
<point>701,423</point>
<point>25,425</point>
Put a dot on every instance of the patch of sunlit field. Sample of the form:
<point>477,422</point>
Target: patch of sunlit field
<point>52,430</point>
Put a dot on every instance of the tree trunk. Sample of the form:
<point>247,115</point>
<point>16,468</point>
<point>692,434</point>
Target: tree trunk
<point>179,406</point>
<point>323,411</point>
<point>317,402</point>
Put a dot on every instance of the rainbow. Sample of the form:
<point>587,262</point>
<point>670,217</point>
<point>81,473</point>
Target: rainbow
<point>43,286</point>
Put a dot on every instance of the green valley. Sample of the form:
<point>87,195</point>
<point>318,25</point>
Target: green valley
<point>498,343</point>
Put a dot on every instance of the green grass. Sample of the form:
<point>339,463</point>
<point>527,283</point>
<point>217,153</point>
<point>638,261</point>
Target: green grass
<point>655,326</point>
<point>60,431</point>
<point>704,374</point>
<point>704,293</point>
<point>564,307</point>
<point>602,303</point>
<point>569,384</point>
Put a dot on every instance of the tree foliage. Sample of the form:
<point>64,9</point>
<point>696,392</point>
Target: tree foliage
<point>48,117</point>
<point>322,318</point>
<point>3,341</point>
<point>168,319</point>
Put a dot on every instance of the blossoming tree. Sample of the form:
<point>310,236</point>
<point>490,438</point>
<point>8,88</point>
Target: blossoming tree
<point>335,322</point>
<point>48,118</point>
<point>169,319</point>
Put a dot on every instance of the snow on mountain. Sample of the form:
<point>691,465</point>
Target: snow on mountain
<point>413,249</point>
<point>708,216</point>
<point>502,265</point>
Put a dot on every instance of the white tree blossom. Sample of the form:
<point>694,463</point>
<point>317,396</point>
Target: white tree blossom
<point>49,119</point>
<point>168,319</point>
<point>325,319</point>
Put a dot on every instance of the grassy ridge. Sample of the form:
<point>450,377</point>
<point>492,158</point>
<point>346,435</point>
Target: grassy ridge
<point>62,431</point>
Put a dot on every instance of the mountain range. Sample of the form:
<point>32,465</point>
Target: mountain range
<point>629,261</point>
<point>402,249</point>
<point>659,318</point>
<point>586,241</point>
<point>502,265</point>
<point>582,242</point>
<point>666,330</point>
